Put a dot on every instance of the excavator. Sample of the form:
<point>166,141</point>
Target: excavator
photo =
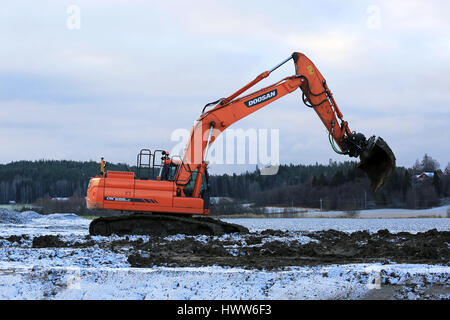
<point>167,194</point>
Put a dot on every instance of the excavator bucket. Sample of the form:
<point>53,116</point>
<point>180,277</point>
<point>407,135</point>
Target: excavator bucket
<point>377,161</point>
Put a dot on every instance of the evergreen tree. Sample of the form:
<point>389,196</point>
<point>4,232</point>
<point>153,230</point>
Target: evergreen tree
<point>437,183</point>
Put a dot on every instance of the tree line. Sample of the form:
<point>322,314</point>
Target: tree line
<point>334,186</point>
<point>28,181</point>
<point>337,186</point>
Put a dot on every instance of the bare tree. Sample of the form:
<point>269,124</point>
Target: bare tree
<point>428,164</point>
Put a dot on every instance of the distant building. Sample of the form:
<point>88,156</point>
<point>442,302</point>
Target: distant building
<point>60,199</point>
<point>425,175</point>
<point>221,200</point>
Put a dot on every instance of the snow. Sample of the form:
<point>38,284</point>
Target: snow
<point>396,213</point>
<point>372,213</point>
<point>32,223</point>
<point>323,282</point>
<point>344,224</point>
<point>7,216</point>
<point>97,272</point>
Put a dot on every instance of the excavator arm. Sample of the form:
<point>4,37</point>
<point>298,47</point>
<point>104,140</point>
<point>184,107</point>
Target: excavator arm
<point>167,198</point>
<point>377,159</point>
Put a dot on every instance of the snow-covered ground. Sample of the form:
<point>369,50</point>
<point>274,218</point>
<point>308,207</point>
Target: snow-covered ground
<point>441,212</point>
<point>96,272</point>
<point>343,224</point>
<point>34,224</point>
<point>208,283</point>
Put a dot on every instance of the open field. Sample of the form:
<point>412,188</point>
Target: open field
<point>298,212</point>
<point>344,224</point>
<point>53,257</point>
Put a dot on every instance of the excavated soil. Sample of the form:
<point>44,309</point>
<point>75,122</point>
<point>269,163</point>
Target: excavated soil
<point>327,247</point>
<point>269,249</point>
<point>48,241</point>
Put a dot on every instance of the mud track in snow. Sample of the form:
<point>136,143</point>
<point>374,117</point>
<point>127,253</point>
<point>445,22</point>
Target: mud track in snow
<point>271,249</point>
<point>257,250</point>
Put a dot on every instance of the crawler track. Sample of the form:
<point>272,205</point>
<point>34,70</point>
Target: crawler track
<point>161,225</point>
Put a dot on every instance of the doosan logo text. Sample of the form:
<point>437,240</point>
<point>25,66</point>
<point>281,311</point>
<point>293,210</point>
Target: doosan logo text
<point>261,98</point>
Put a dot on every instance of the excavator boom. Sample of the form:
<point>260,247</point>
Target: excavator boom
<point>377,160</point>
<point>182,184</point>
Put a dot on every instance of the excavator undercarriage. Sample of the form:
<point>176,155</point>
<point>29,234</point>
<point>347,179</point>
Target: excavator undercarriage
<point>163,195</point>
<point>162,225</point>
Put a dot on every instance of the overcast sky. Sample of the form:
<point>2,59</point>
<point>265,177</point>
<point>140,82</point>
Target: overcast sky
<point>135,71</point>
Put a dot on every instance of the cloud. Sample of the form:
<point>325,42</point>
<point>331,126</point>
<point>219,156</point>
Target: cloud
<point>335,48</point>
<point>417,16</point>
<point>136,71</point>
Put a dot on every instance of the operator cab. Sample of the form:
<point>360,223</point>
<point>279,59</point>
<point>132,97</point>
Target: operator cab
<point>147,167</point>
<point>168,168</point>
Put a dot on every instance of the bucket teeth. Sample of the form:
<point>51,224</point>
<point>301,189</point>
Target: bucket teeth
<point>378,161</point>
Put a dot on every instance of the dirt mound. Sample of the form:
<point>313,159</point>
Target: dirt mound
<point>17,238</point>
<point>48,241</point>
<point>9,216</point>
<point>161,225</point>
<point>330,247</point>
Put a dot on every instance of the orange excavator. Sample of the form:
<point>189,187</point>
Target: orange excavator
<point>166,195</point>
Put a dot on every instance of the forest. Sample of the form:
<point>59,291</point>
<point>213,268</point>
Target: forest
<point>336,186</point>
